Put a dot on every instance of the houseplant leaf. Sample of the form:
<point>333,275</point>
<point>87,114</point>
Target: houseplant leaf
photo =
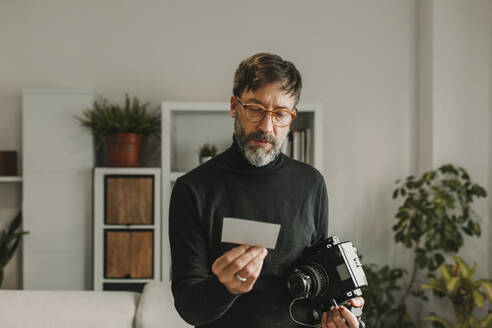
<point>439,320</point>
<point>487,285</point>
<point>445,272</point>
<point>9,242</point>
<point>487,321</point>
<point>435,287</point>
<point>464,269</point>
<point>477,298</point>
<point>452,284</point>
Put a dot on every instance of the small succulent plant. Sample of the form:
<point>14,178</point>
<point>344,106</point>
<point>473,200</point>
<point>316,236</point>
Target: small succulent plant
<point>207,150</point>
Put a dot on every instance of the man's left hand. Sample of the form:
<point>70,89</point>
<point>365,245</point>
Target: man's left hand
<point>341,317</point>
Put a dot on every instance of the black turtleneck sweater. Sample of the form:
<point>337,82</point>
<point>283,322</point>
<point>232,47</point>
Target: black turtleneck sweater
<point>285,192</point>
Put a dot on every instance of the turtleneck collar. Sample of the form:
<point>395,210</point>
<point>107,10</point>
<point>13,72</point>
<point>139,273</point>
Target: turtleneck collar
<point>242,163</point>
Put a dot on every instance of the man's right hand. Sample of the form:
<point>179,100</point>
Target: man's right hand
<point>245,261</point>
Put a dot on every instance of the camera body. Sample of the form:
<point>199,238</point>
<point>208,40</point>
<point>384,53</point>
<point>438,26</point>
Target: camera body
<point>329,273</point>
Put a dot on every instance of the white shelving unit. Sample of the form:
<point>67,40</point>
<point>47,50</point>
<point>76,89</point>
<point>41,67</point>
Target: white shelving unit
<point>187,125</point>
<point>101,227</point>
<point>10,179</point>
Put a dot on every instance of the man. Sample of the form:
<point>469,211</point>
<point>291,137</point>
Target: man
<point>222,285</point>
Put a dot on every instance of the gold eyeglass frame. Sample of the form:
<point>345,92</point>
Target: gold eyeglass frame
<point>293,115</point>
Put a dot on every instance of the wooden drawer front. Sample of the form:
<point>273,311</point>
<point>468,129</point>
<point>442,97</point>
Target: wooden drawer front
<point>129,254</point>
<point>129,200</point>
<point>142,254</point>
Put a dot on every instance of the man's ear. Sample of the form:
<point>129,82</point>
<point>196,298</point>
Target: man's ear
<point>233,107</point>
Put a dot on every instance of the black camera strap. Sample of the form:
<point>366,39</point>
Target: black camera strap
<point>357,312</point>
<point>292,316</point>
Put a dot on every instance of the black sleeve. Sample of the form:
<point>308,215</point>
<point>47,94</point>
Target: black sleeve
<point>322,226</point>
<point>199,297</point>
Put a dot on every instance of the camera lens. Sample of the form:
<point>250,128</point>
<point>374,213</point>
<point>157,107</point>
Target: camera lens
<point>308,281</point>
<point>298,284</point>
<point>319,277</point>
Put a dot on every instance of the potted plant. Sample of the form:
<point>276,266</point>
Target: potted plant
<point>466,294</point>
<point>123,128</point>
<point>9,241</point>
<point>206,152</point>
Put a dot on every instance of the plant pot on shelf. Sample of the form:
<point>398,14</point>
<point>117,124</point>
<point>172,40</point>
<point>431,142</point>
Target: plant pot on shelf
<point>124,149</point>
<point>203,159</point>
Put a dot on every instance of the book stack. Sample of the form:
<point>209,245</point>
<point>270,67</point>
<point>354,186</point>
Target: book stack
<point>298,145</point>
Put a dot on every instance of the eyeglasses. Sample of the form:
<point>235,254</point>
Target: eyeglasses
<point>256,113</point>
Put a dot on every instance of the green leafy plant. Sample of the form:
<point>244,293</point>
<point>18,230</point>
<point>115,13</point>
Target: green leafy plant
<point>380,308</point>
<point>466,294</point>
<point>10,239</point>
<point>106,118</point>
<point>435,213</point>
<point>207,150</point>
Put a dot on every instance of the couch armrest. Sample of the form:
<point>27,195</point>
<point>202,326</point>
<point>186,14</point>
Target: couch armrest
<point>156,308</point>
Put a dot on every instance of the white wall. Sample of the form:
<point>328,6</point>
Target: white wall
<point>358,58</point>
<point>490,151</point>
<point>461,100</point>
<point>455,103</point>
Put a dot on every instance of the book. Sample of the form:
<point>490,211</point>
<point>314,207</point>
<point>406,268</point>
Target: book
<point>303,146</point>
<point>296,149</point>
<point>286,146</point>
<point>309,139</point>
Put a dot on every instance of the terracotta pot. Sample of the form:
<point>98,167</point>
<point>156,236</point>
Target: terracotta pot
<point>204,159</point>
<point>124,149</point>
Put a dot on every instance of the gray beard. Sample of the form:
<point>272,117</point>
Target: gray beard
<point>256,156</point>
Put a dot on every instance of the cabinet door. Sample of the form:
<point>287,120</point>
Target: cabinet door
<point>117,261</point>
<point>129,254</point>
<point>129,199</point>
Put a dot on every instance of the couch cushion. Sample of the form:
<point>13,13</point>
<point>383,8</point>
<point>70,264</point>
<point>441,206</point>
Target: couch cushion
<point>26,308</point>
<point>156,308</point>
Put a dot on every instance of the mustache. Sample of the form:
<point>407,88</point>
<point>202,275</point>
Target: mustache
<point>261,137</point>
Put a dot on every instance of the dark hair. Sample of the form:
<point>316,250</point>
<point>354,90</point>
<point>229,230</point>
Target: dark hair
<point>262,69</point>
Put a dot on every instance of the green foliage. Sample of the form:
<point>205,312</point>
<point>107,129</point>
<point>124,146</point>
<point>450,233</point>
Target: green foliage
<point>458,285</point>
<point>436,211</point>
<point>207,150</point>
<point>381,308</point>
<point>133,117</point>
<point>9,241</point>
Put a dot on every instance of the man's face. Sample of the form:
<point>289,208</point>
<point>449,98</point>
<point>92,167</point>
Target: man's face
<point>261,141</point>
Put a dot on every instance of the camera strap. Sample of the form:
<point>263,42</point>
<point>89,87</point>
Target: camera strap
<point>357,311</point>
<point>292,316</point>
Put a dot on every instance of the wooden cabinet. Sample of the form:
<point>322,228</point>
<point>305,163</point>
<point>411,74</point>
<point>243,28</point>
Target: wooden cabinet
<point>126,228</point>
<point>128,254</point>
<point>128,199</point>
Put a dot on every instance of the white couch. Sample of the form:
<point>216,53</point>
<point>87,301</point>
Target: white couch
<point>73,309</point>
